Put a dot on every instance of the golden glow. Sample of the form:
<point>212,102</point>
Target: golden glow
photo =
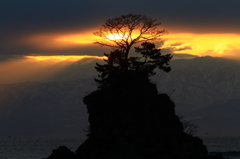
<point>190,43</point>
<point>203,44</point>
<point>115,37</point>
<point>58,41</point>
<point>118,36</point>
<point>220,48</point>
<point>77,38</point>
<point>35,68</point>
<point>38,68</point>
<point>21,70</point>
<point>63,58</point>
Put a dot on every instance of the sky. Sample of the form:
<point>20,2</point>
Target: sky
<point>30,30</point>
<point>41,38</point>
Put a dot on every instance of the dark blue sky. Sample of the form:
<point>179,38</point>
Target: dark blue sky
<point>23,18</point>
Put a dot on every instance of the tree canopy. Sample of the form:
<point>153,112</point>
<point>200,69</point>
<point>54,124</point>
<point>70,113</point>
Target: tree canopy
<point>125,31</point>
<point>121,34</point>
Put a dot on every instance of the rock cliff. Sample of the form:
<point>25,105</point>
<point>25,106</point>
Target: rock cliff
<point>132,120</point>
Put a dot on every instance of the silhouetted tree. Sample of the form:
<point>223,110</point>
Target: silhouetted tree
<point>138,67</point>
<point>123,32</point>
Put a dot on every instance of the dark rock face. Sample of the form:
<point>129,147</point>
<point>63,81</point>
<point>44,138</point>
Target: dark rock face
<point>62,153</point>
<point>132,120</point>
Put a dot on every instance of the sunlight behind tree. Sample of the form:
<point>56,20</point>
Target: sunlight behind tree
<point>120,34</point>
<point>125,31</point>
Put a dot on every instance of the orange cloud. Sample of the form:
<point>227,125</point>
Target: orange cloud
<point>228,48</point>
<point>77,38</point>
<point>25,70</point>
<point>58,41</point>
<point>55,41</point>
<point>63,58</point>
<point>39,68</point>
<point>181,43</point>
<point>199,44</point>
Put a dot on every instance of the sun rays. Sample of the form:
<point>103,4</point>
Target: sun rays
<point>40,68</point>
<point>63,58</point>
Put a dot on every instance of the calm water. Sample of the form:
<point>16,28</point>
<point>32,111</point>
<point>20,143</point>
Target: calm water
<point>228,145</point>
<point>41,147</point>
<point>35,147</point>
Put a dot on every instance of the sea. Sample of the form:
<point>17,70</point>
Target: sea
<point>14,147</point>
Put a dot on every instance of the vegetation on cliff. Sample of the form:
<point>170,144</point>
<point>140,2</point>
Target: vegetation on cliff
<point>128,117</point>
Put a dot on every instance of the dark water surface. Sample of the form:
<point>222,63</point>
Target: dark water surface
<point>41,147</point>
<point>35,147</point>
<point>227,145</point>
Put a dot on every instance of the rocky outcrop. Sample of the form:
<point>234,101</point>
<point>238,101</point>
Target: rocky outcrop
<point>62,153</point>
<point>132,120</point>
